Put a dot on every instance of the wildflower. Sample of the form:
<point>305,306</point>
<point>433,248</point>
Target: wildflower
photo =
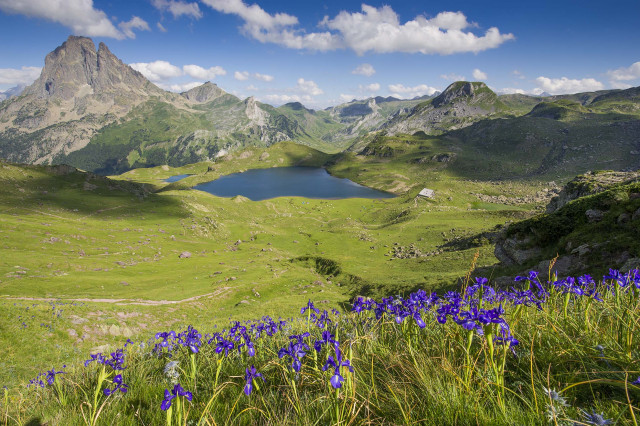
<point>309,306</point>
<point>336,363</point>
<point>296,350</point>
<point>555,397</point>
<point>224,345</point>
<point>251,374</point>
<point>326,339</point>
<point>97,357</point>
<point>636,382</point>
<point>117,380</point>
<point>594,418</point>
<point>169,396</point>
<point>191,339</point>
<point>51,376</point>
<point>171,371</point>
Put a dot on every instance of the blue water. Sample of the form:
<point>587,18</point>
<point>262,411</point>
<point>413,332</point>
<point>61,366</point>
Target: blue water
<point>309,182</point>
<point>176,178</point>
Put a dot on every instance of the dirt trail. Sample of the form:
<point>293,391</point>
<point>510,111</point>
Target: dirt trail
<point>119,302</point>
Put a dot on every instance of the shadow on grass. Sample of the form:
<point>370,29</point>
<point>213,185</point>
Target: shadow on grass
<point>63,187</point>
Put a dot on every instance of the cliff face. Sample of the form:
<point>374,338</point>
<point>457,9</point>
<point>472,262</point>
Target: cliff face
<point>460,105</point>
<point>79,91</point>
<point>76,69</point>
<point>85,95</point>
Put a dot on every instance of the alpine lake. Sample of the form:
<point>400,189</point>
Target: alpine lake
<point>308,182</point>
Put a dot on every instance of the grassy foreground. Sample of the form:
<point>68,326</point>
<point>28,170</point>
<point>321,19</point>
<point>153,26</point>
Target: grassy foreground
<point>560,352</point>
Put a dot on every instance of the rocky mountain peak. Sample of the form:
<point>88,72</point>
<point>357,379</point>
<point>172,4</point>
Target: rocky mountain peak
<point>461,90</point>
<point>204,93</point>
<point>75,69</point>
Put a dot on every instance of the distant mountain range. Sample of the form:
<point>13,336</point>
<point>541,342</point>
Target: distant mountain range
<point>10,93</point>
<point>91,110</point>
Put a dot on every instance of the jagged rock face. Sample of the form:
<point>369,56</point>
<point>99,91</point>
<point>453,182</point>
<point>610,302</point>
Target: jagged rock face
<point>204,93</point>
<point>589,184</point>
<point>460,105</point>
<point>79,91</point>
<point>457,90</point>
<point>76,68</point>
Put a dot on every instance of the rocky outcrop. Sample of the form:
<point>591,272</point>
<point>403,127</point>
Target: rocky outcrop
<point>460,105</point>
<point>79,91</point>
<point>76,69</point>
<point>205,93</point>
<point>515,251</point>
<point>589,184</point>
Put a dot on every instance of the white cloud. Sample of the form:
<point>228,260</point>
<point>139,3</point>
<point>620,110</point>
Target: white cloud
<point>453,77</point>
<point>304,91</point>
<point>373,87</point>
<point>344,97</point>
<point>479,75</point>
<point>625,74</point>
<point>620,85</point>
<point>565,85</point>
<point>364,69</point>
<point>374,30</point>
<point>157,70</point>
<point>24,75</point>
<point>252,88</point>
<point>200,73</point>
<point>241,75</point>
<point>402,91</point>
<point>279,99</point>
<point>161,27</point>
<point>263,77</point>
<point>379,30</point>
<point>511,91</point>
<point>277,28</point>
<point>518,74</point>
<point>309,87</point>
<point>180,87</point>
<point>178,8</point>
<point>78,15</point>
<point>134,23</point>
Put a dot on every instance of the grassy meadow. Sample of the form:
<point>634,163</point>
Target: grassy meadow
<point>89,262</point>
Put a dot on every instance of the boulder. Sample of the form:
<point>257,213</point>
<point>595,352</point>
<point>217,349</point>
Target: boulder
<point>185,255</point>
<point>594,215</point>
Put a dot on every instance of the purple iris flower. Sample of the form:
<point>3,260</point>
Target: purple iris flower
<point>224,345</point>
<point>119,386</point>
<point>309,306</point>
<point>326,338</point>
<point>296,350</point>
<point>165,336</point>
<point>251,373</point>
<point>336,363</point>
<point>191,339</point>
<point>176,392</point>
<point>51,375</point>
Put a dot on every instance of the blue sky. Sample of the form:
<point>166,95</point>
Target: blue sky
<point>326,52</point>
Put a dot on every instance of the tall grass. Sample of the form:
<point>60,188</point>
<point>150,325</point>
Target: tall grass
<point>560,352</point>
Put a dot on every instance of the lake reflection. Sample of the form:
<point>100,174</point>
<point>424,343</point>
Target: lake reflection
<point>175,178</point>
<point>309,182</point>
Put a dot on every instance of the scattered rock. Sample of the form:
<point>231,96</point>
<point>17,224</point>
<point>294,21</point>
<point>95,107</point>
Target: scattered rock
<point>624,218</point>
<point>264,156</point>
<point>630,264</point>
<point>594,215</point>
<point>185,255</point>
